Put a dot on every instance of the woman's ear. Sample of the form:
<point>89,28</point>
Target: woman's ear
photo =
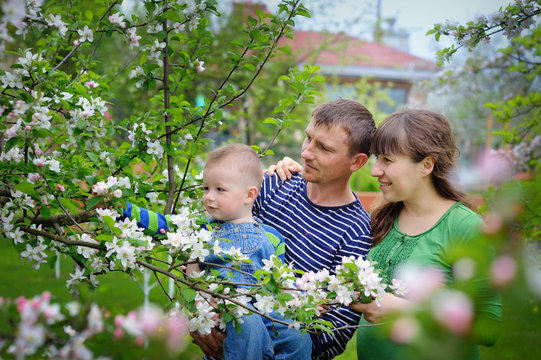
<point>253,191</point>
<point>358,160</point>
<point>428,165</point>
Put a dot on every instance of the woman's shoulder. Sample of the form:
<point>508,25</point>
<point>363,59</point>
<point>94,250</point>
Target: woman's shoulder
<point>460,213</point>
<point>463,221</point>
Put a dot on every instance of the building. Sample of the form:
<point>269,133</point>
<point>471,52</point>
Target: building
<point>348,59</point>
<point>345,59</point>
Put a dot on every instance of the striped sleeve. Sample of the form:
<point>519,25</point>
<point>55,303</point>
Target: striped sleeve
<point>152,222</point>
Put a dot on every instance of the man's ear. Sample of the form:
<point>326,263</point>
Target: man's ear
<point>358,160</point>
<point>428,165</point>
<point>253,191</point>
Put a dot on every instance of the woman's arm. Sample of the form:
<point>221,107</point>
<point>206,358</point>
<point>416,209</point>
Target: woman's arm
<point>374,313</point>
<point>284,168</point>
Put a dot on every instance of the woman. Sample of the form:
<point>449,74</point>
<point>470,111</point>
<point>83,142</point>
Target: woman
<point>422,219</point>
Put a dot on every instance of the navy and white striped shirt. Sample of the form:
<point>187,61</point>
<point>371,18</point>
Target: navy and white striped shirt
<point>317,237</point>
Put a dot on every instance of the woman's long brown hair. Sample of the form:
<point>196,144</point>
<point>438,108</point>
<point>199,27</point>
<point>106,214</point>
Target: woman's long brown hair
<point>417,134</point>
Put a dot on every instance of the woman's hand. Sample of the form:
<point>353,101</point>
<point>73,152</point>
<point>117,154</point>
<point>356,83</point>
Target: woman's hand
<point>373,313</point>
<point>284,168</point>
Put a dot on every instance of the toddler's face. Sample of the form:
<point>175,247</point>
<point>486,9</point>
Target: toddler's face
<point>225,193</point>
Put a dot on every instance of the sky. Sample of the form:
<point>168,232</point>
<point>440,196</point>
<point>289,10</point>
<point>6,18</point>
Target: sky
<point>415,16</point>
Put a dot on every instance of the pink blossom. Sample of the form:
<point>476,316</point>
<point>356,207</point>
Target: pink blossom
<point>495,166</point>
<point>27,128</point>
<point>139,341</point>
<point>117,19</point>
<point>454,310</point>
<point>119,320</point>
<point>11,132</point>
<point>76,43</point>
<point>39,162</point>
<point>492,223</point>
<point>117,193</point>
<point>199,65</point>
<point>46,295</point>
<point>503,270</point>
<point>60,187</point>
<point>100,188</point>
<point>33,177</point>
<point>22,303</point>
<point>420,282</point>
<point>118,333</point>
<point>91,84</point>
<point>404,330</point>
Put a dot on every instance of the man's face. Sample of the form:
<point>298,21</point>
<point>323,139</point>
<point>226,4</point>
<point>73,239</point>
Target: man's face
<point>325,152</point>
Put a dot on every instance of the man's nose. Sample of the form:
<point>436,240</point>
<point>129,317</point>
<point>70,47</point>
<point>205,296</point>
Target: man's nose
<point>307,151</point>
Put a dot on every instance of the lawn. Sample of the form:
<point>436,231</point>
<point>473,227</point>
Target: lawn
<point>521,328</point>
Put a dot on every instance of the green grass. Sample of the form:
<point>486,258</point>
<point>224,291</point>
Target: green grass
<point>116,292</point>
<point>521,328</point>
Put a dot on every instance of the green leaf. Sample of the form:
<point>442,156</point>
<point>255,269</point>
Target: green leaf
<point>69,204</point>
<point>93,157</point>
<point>188,294</point>
<point>45,212</point>
<point>91,180</point>
<point>109,221</point>
<point>273,121</point>
<point>27,188</point>
<point>169,149</point>
<point>93,202</point>
<point>104,237</point>
<point>11,143</point>
<point>218,113</point>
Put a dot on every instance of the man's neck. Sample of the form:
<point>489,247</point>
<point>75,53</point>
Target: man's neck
<point>329,194</point>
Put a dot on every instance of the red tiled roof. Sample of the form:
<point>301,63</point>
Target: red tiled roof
<point>341,49</point>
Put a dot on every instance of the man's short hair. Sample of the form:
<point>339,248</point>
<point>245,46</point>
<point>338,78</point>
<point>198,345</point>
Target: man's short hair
<point>356,120</point>
<point>242,158</point>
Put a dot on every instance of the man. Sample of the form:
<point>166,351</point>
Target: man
<point>320,217</point>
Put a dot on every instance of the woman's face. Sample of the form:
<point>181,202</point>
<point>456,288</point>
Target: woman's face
<point>399,177</point>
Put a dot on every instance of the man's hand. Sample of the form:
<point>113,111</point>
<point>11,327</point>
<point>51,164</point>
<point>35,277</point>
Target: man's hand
<point>284,168</point>
<point>211,344</point>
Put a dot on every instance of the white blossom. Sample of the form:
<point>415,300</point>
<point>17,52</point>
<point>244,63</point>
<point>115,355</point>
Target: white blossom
<point>86,34</point>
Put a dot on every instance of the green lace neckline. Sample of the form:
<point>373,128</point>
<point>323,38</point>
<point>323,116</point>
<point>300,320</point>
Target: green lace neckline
<point>395,226</point>
<point>397,247</point>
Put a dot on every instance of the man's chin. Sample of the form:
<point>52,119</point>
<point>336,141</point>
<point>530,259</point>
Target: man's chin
<point>308,176</point>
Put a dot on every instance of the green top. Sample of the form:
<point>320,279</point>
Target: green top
<point>435,247</point>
